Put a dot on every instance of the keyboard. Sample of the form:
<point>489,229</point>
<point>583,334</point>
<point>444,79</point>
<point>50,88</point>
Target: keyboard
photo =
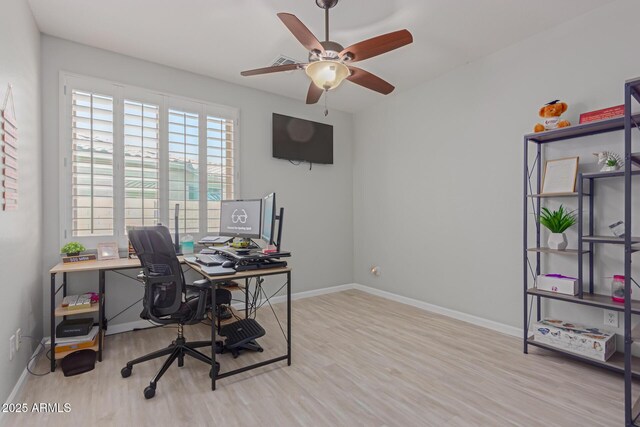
<point>211,260</point>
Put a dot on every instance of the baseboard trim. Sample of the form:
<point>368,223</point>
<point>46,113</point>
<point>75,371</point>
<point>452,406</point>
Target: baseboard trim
<point>20,383</point>
<point>469,318</point>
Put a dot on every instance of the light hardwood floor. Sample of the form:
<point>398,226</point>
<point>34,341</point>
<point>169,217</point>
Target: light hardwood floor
<point>357,360</point>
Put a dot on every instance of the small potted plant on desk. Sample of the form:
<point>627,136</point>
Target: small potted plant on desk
<point>73,249</point>
<point>557,222</point>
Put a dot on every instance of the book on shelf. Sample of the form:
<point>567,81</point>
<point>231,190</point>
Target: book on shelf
<point>604,114</point>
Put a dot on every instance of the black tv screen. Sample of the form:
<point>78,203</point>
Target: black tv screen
<point>302,140</point>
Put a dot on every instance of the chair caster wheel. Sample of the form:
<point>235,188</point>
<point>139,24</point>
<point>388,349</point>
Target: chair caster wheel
<point>149,392</point>
<point>260,350</point>
<point>125,372</point>
<point>217,370</point>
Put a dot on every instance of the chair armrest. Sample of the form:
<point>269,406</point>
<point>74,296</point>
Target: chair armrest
<point>202,283</point>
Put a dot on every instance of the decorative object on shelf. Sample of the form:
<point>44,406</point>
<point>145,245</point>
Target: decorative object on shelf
<point>10,151</point>
<point>108,250</point>
<point>557,283</point>
<point>617,228</point>
<point>132,252</point>
<point>609,161</point>
<point>73,249</point>
<point>557,222</point>
<point>551,113</point>
<point>560,175</point>
<point>604,114</point>
<point>578,339</point>
<point>617,288</point>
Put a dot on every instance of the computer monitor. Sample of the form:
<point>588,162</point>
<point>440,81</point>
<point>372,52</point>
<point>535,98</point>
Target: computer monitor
<point>241,218</point>
<point>268,218</point>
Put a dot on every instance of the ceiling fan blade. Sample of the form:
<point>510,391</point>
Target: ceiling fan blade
<point>268,70</point>
<point>370,81</point>
<point>301,32</point>
<point>314,94</point>
<point>377,45</point>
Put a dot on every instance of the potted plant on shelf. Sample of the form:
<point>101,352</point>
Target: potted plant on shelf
<point>73,249</point>
<point>557,222</point>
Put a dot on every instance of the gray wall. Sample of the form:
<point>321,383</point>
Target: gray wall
<point>21,230</point>
<point>438,169</point>
<point>319,208</point>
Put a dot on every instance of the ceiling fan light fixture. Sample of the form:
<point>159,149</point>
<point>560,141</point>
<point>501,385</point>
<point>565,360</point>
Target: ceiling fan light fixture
<point>326,74</point>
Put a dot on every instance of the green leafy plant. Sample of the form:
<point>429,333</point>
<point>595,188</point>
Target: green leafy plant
<point>612,162</point>
<point>557,221</point>
<point>72,248</point>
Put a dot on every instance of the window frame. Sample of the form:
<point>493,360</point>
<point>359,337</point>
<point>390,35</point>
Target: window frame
<point>165,101</point>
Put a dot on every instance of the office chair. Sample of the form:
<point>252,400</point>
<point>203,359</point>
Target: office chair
<point>168,300</point>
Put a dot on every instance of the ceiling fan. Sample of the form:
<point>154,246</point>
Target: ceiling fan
<point>329,63</point>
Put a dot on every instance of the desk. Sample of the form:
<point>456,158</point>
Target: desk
<point>124,263</point>
<point>75,267</point>
<point>246,275</point>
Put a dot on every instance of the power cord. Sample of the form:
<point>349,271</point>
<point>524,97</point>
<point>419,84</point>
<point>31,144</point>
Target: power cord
<point>41,349</point>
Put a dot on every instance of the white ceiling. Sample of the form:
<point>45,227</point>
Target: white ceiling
<point>220,38</point>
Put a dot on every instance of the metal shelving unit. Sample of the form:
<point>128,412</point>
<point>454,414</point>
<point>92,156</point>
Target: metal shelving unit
<point>621,362</point>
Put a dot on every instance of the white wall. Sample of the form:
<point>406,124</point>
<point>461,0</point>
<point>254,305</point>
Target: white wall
<point>438,169</point>
<point>21,230</point>
<point>318,218</point>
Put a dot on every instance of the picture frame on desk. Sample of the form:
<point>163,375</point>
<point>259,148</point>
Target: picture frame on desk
<point>560,175</point>
<point>108,250</point>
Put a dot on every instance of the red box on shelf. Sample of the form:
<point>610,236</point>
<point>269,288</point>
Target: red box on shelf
<point>605,113</point>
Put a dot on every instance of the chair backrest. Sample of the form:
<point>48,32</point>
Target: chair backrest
<point>164,283</point>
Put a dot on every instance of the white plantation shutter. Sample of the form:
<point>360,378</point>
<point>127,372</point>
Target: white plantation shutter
<point>92,164</point>
<point>141,164</point>
<point>220,167</point>
<point>184,186</point>
<point>130,154</point>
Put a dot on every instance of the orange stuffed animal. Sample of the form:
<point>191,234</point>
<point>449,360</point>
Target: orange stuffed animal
<point>551,113</point>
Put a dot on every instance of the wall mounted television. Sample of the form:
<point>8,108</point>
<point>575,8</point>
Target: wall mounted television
<point>302,140</point>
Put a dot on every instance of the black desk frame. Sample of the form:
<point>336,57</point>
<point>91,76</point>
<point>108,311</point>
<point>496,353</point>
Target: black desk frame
<point>258,274</point>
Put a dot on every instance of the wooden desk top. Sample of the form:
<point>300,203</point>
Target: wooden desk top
<point>241,274</point>
<point>109,264</point>
<point>124,263</point>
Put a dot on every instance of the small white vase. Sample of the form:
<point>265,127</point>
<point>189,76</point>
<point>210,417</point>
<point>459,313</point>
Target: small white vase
<point>558,241</point>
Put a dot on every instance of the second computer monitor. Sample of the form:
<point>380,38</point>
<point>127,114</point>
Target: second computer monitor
<point>269,218</point>
<point>241,218</point>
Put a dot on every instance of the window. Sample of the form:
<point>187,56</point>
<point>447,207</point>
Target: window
<point>219,168</point>
<point>131,154</point>
<point>141,164</point>
<point>92,171</point>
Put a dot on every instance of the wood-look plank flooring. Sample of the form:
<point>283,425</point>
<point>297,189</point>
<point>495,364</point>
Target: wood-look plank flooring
<point>357,360</point>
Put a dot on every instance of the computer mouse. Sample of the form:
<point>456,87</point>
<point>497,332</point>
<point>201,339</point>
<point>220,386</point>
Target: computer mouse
<point>228,264</point>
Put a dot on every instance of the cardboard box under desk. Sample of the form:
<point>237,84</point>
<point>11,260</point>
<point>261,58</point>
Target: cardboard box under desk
<point>575,338</point>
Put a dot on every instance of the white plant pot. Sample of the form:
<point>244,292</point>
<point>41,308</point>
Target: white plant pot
<point>558,241</point>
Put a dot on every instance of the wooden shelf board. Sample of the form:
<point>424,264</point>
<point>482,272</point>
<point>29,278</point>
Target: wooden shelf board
<point>61,355</point>
<point>60,311</point>
<point>611,174</point>
<point>544,195</point>
<point>555,251</point>
<point>594,300</point>
<point>609,239</point>
<point>615,362</point>
<point>580,130</point>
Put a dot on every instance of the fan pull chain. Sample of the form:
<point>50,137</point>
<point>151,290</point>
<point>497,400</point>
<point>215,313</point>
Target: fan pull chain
<point>326,110</point>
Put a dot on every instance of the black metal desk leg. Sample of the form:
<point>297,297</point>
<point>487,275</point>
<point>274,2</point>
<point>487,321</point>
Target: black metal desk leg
<point>246,298</point>
<point>53,322</point>
<point>213,336</point>
<point>288,318</point>
<point>101,307</point>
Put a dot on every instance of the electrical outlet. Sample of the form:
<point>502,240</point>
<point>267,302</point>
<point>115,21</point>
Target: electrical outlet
<point>18,338</point>
<point>611,318</point>
<point>12,347</point>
